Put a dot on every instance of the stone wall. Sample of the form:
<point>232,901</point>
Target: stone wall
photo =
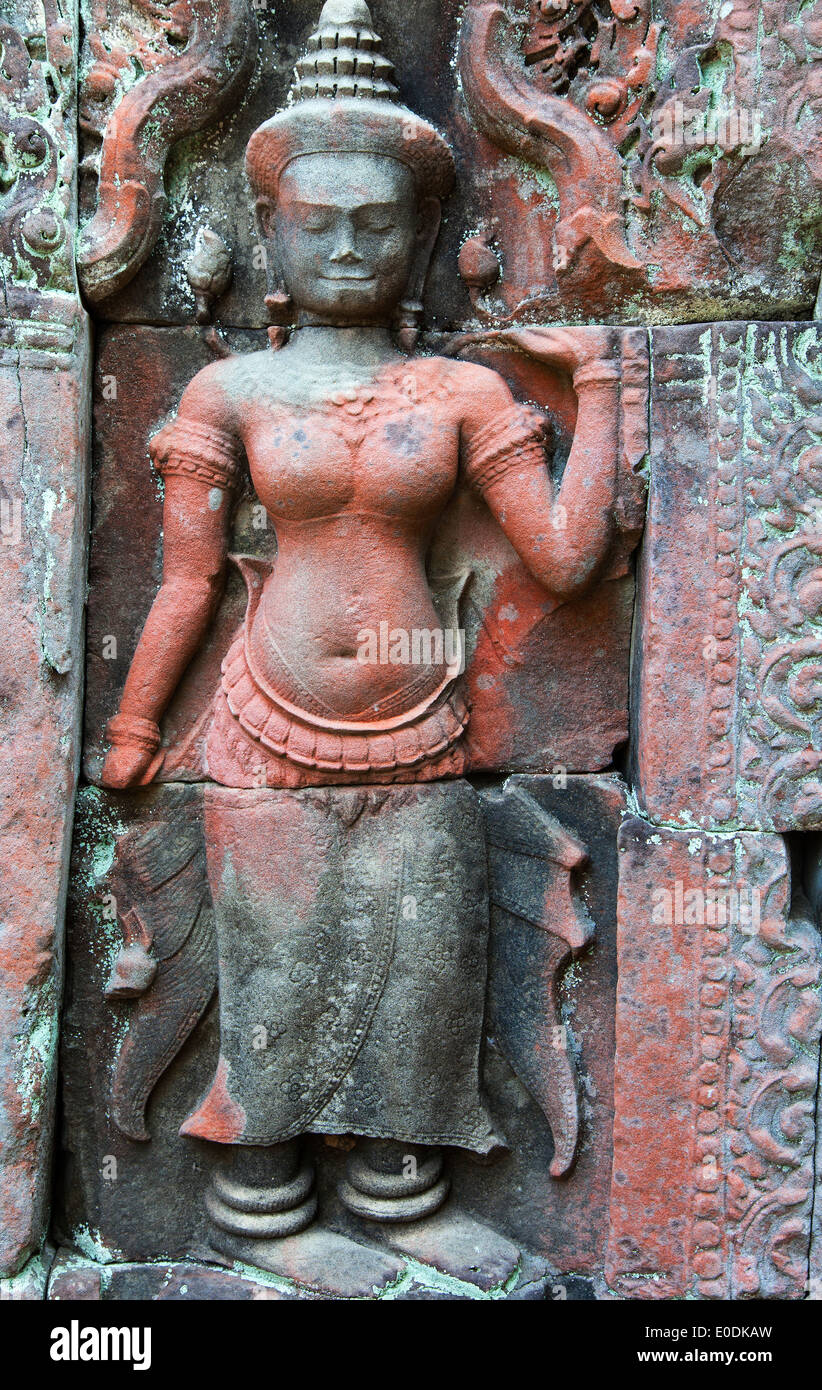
<point>651,169</point>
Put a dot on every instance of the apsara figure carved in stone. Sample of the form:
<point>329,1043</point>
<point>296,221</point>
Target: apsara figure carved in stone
<point>345,849</point>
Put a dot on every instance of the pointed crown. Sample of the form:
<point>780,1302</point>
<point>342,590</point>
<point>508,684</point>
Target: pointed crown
<point>343,100</point>
<point>344,57</point>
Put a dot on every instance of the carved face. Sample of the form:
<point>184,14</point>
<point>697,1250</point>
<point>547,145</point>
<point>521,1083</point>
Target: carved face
<point>347,233</point>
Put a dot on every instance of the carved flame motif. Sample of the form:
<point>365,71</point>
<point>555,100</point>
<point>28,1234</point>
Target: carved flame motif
<point>179,67</point>
<point>549,131</point>
<point>610,97</point>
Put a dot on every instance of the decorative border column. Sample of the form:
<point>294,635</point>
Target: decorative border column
<point>718,1012</point>
<point>45,396</point>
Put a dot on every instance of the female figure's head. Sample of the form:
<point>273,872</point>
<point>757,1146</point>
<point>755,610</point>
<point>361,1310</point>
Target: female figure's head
<point>349,184</point>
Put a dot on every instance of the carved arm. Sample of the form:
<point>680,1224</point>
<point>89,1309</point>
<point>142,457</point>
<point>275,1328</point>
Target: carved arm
<point>196,521</point>
<point>563,538</point>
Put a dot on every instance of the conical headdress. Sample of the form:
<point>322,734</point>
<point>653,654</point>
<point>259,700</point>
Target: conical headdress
<point>343,100</point>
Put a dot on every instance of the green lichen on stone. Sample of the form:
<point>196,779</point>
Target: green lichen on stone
<point>97,829</point>
<point>547,183</point>
<point>90,1243</point>
<point>37,1050</point>
<point>426,1277</point>
<point>29,1283</point>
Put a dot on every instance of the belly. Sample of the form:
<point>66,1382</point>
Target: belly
<point>348,611</point>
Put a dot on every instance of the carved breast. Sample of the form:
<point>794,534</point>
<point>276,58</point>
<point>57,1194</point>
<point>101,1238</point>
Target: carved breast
<point>389,448</point>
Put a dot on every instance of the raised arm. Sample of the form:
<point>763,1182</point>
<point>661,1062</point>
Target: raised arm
<point>562,537</point>
<point>199,461</point>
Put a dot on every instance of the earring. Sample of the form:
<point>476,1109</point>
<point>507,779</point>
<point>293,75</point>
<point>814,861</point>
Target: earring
<point>408,324</point>
<point>280,308</point>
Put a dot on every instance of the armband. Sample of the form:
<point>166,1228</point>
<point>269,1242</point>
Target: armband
<point>600,371</point>
<point>186,448</point>
<point>516,438</point>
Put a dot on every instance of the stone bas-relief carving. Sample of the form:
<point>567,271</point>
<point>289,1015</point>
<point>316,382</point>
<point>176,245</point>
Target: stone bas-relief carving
<point>734,1029</point>
<point>44,388</point>
<point>135,847</point>
<point>346,853</point>
<point>619,162</point>
<point>140,94</point>
<point>529,710</point>
<point>377,966</point>
<point>735,446</point>
<point>651,131</point>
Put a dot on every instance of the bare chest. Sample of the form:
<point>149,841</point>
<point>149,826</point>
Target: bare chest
<point>384,453</point>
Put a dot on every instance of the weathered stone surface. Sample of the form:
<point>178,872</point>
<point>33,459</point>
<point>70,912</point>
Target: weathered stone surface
<point>118,1215</point>
<point>360,949</point>
<point>205,180</point>
<point>461,1247</point>
<point>718,1048</point>
<point>718,1021</point>
<point>813,887</point>
<point>695,115</point>
<point>717,1067</point>
<point>110,1210</point>
<point>727,728</point>
<point>333,1266</point>
<point>29,1285</point>
<point>539,924</point>
<point>44,352</point>
<point>137,121</point>
<point>642,163</point>
<point>705,120</point>
<point>570,1215</point>
<point>345,914</point>
<point>548,681</point>
<point>74,1279</point>
<point>41,590</point>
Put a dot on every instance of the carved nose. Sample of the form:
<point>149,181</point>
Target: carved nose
<point>345,250</point>
<point>346,257</point>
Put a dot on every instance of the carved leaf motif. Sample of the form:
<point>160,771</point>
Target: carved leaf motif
<point>160,881</point>
<point>777,973</point>
<point>531,861</point>
<point>781,644</point>
<point>548,131</point>
<point>763,625</point>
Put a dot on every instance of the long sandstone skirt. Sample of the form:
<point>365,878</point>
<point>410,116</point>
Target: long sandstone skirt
<point>353,933</point>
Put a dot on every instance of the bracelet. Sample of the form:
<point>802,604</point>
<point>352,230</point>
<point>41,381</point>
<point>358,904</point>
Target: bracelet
<point>600,370</point>
<point>126,729</point>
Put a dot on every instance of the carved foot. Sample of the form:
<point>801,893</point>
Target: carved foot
<point>391,1181</point>
<point>458,1245</point>
<point>320,1261</point>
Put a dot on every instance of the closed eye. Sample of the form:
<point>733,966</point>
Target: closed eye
<point>377,219</point>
